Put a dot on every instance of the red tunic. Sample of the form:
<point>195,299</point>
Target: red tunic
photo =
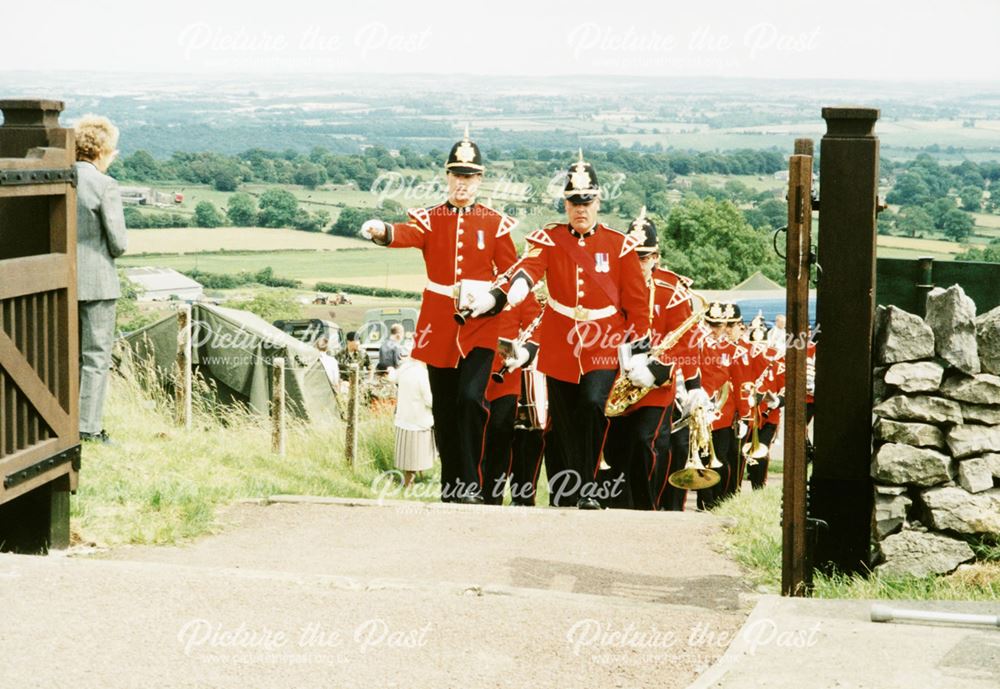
<point>671,307</point>
<point>470,243</point>
<point>571,347</point>
<point>721,361</point>
<point>772,380</point>
<point>512,321</point>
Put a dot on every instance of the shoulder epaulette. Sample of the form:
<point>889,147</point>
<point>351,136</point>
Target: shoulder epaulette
<point>684,280</point>
<point>507,224</point>
<point>541,237</point>
<point>630,243</point>
<point>421,217</point>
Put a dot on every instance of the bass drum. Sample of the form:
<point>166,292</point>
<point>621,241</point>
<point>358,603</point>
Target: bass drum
<point>533,406</point>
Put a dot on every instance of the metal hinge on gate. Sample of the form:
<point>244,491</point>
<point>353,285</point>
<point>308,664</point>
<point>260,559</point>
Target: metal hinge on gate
<point>18,477</point>
<point>10,178</point>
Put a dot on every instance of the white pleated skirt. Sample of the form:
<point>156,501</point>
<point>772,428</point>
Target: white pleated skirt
<point>415,450</point>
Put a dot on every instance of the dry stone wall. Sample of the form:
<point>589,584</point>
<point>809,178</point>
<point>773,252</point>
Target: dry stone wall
<point>936,459</point>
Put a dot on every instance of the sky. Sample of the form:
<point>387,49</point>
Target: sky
<point>918,40</point>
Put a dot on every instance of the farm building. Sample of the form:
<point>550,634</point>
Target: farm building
<point>147,196</point>
<point>164,284</point>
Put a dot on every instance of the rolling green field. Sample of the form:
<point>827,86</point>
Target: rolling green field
<point>399,268</point>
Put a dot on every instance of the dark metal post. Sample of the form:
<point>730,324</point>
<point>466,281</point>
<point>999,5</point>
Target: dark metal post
<point>841,488</point>
<point>926,283</point>
<point>794,576</point>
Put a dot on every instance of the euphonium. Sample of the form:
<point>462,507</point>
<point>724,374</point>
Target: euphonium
<point>625,393</point>
<point>694,475</point>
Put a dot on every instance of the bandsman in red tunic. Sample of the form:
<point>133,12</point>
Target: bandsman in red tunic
<point>597,302</point>
<point>512,452</point>
<point>638,444</point>
<point>770,387</point>
<point>465,245</point>
<point>722,364</point>
<point>763,401</point>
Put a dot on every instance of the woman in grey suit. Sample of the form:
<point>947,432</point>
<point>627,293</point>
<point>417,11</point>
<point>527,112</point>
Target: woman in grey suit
<point>100,226</point>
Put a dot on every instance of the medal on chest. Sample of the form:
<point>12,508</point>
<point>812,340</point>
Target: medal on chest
<point>602,263</point>
<point>480,240</point>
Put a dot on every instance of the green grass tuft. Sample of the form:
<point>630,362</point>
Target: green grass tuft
<point>163,484</point>
<point>755,543</point>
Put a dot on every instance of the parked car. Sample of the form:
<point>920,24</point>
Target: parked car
<point>376,329</point>
<point>309,330</point>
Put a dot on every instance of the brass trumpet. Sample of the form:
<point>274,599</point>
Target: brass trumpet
<point>625,393</point>
<point>466,288</point>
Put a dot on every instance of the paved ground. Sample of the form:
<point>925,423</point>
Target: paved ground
<point>824,644</point>
<point>329,595</point>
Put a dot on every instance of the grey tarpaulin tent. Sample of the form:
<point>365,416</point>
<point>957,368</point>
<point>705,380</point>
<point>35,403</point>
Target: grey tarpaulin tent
<point>234,350</point>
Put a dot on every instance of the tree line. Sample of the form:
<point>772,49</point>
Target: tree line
<point>940,199</point>
<point>319,166</point>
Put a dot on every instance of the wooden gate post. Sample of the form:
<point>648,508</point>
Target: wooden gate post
<point>841,487</point>
<point>39,330</point>
<point>278,407</point>
<point>351,434</point>
<point>795,573</point>
<point>182,390</point>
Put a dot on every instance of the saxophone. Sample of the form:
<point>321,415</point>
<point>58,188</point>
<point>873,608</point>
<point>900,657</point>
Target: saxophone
<point>625,393</point>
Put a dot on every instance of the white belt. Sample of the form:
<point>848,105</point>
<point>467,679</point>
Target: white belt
<point>450,291</point>
<point>579,313</point>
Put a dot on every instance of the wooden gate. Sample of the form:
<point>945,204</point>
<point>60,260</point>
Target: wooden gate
<point>39,378</point>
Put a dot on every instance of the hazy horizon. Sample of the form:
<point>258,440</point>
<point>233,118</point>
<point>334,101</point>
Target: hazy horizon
<point>774,39</point>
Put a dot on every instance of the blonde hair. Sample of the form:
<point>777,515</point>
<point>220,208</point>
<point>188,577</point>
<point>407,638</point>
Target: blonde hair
<point>96,137</point>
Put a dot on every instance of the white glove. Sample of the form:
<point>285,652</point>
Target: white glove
<point>372,227</point>
<point>481,303</point>
<point>771,400</point>
<point>697,398</point>
<point>638,361</point>
<point>741,430</point>
<point>518,291</point>
<point>520,358</point>
<point>641,376</point>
